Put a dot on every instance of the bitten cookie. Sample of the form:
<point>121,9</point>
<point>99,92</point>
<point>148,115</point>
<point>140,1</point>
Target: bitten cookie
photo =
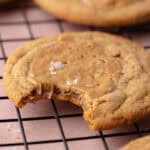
<point>99,12</point>
<point>106,75</point>
<point>139,144</point>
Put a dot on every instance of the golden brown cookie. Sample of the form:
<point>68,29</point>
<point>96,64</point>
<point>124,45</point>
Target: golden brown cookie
<point>106,75</point>
<point>139,144</point>
<point>99,12</point>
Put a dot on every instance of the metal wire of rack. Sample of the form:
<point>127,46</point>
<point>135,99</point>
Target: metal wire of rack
<point>101,135</point>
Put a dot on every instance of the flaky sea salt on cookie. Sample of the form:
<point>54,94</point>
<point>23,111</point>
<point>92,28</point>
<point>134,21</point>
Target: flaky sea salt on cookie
<point>99,12</point>
<point>107,76</point>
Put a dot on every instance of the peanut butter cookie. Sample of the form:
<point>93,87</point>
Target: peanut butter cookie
<point>106,75</point>
<point>99,12</point>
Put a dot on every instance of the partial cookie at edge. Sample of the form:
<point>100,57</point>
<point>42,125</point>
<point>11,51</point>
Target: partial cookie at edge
<point>138,144</point>
<point>99,13</point>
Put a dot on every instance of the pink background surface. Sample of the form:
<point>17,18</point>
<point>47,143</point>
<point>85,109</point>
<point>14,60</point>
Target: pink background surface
<point>39,122</point>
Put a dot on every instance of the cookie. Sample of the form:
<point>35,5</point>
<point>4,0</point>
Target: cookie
<point>139,144</point>
<point>106,75</point>
<point>99,12</point>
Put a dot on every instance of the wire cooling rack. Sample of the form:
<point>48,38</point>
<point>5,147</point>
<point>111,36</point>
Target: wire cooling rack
<point>54,125</point>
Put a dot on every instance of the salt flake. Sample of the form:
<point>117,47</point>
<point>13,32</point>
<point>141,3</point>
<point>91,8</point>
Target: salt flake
<point>55,65</point>
<point>53,72</point>
<point>73,82</point>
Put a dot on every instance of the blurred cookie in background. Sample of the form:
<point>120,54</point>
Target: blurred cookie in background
<point>106,13</point>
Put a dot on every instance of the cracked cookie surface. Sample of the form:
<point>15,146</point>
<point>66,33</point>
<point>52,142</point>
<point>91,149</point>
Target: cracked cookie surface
<point>138,144</point>
<point>99,12</point>
<point>106,75</point>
